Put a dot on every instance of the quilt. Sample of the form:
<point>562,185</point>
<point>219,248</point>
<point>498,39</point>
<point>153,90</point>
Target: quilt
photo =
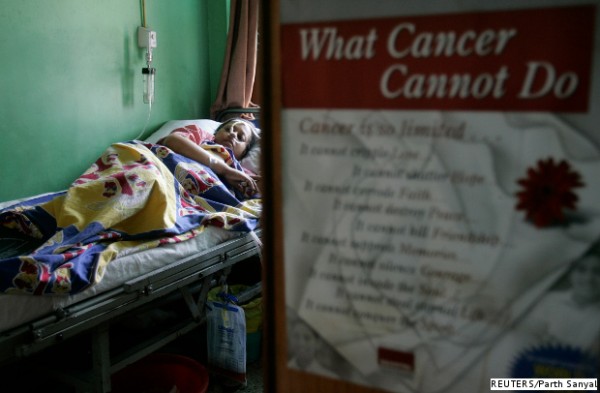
<point>134,197</point>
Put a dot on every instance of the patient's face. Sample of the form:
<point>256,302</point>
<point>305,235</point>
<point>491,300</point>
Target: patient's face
<point>235,135</point>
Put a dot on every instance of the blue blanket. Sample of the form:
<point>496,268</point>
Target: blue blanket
<point>136,196</point>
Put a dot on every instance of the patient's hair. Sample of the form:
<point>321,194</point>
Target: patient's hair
<point>253,130</point>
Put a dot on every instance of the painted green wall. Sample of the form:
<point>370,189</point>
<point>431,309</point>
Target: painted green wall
<point>71,83</point>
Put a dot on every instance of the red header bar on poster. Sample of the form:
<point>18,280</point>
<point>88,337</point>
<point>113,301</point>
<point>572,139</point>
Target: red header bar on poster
<point>521,60</point>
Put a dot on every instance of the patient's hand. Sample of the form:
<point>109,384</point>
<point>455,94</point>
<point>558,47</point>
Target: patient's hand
<point>243,182</point>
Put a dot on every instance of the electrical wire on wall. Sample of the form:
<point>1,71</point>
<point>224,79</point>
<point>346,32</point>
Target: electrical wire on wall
<point>144,13</point>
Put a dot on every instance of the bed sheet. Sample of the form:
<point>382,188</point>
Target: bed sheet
<point>19,309</point>
<point>135,196</point>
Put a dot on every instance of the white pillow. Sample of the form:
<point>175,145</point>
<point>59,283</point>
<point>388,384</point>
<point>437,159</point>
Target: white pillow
<point>250,162</point>
<point>204,124</point>
<point>252,159</point>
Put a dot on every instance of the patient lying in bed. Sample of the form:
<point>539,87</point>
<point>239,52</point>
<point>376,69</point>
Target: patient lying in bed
<point>233,138</point>
<point>136,196</point>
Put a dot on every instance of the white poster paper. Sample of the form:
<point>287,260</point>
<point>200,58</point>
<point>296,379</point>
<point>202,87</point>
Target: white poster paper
<point>441,229</point>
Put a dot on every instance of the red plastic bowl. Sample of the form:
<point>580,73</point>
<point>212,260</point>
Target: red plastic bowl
<point>158,373</point>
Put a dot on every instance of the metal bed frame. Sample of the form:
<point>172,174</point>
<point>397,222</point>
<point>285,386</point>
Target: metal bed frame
<point>187,280</point>
<point>236,111</point>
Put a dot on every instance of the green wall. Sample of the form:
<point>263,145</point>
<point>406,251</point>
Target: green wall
<point>71,82</point>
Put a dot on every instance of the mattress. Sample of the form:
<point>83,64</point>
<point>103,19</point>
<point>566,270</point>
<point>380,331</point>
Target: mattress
<point>16,310</point>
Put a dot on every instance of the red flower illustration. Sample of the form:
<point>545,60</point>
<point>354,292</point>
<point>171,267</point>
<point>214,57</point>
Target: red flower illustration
<point>548,192</point>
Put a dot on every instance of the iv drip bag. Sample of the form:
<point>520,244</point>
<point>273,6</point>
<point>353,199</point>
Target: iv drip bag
<point>148,74</point>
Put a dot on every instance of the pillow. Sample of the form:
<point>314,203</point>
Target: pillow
<point>252,160</point>
<point>205,124</point>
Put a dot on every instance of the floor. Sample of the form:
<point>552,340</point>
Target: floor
<point>254,382</point>
<point>193,345</point>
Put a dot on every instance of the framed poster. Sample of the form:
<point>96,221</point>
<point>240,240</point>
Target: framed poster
<point>439,214</point>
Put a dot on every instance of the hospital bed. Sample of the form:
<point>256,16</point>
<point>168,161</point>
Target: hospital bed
<point>84,327</point>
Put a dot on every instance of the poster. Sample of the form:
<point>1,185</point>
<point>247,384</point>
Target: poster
<point>441,188</point>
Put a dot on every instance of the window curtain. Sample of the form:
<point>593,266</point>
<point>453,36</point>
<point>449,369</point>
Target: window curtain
<point>239,66</point>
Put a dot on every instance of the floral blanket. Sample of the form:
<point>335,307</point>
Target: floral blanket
<point>136,196</point>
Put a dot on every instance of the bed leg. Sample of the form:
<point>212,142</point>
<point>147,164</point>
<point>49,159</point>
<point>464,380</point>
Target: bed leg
<point>196,307</point>
<point>101,360</point>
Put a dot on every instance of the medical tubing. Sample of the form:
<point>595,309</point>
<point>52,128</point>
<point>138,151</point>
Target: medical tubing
<point>147,121</point>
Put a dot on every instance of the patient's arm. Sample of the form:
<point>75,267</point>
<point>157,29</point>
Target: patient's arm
<point>182,145</point>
